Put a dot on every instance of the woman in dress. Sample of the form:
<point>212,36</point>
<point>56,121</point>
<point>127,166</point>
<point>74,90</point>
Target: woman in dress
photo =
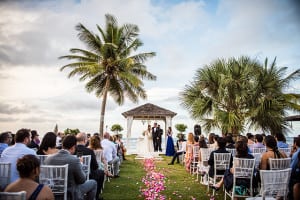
<point>145,145</point>
<point>48,145</point>
<point>189,151</point>
<point>170,151</point>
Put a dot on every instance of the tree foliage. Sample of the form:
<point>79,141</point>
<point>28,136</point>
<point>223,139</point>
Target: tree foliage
<point>231,94</point>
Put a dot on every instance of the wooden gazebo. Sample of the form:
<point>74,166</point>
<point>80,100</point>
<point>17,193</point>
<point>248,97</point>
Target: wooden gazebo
<point>148,112</point>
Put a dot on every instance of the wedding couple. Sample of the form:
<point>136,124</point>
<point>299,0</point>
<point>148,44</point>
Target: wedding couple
<point>152,140</point>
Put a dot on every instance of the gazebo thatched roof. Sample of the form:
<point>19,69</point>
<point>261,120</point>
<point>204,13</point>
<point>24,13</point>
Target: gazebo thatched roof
<point>149,111</point>
<point>292,118</point>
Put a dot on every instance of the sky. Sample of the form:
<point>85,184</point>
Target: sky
<point>186,35</point>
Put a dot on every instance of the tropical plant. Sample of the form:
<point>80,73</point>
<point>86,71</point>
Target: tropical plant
<point>229,94</point>
<point>109,65</point>
<point>69,131</point>
<point>116,128</point>
<point>181,127</point>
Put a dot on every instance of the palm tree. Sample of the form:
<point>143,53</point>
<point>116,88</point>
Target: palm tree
<point>109,65</point>
<point>229,94</point>
<point>268,110</point>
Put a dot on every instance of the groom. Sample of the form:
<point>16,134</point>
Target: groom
<point>155,132</point>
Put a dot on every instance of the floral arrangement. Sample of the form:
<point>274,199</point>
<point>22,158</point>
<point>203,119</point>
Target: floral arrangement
<point>154,182</point>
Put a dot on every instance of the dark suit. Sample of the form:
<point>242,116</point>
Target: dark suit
<point>77,184</point>
<point>160,133</point>
<point>155,131</point>
<point>96,173</point>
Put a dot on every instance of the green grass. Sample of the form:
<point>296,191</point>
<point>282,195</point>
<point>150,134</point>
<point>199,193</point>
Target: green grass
<point>179,183</point>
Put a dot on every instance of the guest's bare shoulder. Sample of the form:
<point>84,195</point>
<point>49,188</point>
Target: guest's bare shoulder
<point>46,194</point>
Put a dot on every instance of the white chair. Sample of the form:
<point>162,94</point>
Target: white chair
<point>243,171</point>
<point>13,195</point>
<point>203,166</point>
<point>42,158</point>
<point>257,157</point>
<point>258,149</point>
<point>86,165</point>
<point>274,184</point>
<point>221,163</point>
<point>195,160</point>
<point>56,177</point>
<point>287,151</point>
<point>5,170</point>
<point>279,163</point>
<point>232,151</point>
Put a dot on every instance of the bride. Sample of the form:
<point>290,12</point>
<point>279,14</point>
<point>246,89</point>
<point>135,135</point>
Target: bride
<point>146,144</point>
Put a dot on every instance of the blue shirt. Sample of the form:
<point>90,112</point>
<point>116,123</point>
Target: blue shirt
<point>2,147</point>
<point>11,155</point>
<point>281,144</point>
<point>295,160</point>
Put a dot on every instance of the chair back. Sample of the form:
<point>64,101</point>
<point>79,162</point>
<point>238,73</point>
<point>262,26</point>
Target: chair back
<point>5,172</point>
<point>56,177</point>
<point>257,157</point>
<point>205,153</point>
<point>232,151</point>
<point>279,163</point>
<point>243,172</point>
<point>86,163</point>
<point>258,149</point>
<point>42,158</point>
<point>13,195</point>
<point>195,159</point>
<point>221,162</point>
<point>287,151</point>
<point>274,183</point>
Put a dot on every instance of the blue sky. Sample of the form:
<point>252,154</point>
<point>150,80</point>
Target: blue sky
<point>186,35</point>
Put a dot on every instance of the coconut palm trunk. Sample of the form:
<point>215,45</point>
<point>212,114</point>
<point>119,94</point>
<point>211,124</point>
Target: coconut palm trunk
<point>103,106</point>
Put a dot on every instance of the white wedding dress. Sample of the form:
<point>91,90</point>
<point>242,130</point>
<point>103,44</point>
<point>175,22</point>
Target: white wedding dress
<point>145,145</point>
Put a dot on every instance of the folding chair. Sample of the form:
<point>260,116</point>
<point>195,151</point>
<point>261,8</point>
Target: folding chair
<point>258,149</point>
<point>56,177</point>
<point>243,173</point>
<point>203,166</point>
<point>86,165</point>
<point>274,184</point>
<point>13,195</point>
<point>257,157</point>
<point>5,171</point>
<point>287,151</point>
<point>232,151</point>
<point>221,163</point>
<point>195,160</point>
<point>279,163</point>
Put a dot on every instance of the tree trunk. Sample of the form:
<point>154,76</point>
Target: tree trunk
<point>102,113</point>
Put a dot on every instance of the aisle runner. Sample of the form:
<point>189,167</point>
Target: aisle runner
<point>154,182</point>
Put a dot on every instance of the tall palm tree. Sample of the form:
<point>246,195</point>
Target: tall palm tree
<point>229,94</point>
<point>109,65</point>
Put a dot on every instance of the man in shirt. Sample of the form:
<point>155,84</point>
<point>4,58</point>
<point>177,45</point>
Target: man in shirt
<point>110,153</point>
<point>18,150</point>
<point>77,183</point>
<point>5,140</point>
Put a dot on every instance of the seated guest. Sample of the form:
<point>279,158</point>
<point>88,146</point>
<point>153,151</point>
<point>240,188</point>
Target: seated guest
<point>35,141</point>
<point>271,152</point>
<point>180,140</point>
<point>110,154</point>
<point>250,138</point>
<point>241,152</point>
<point>258,141</point>
<point>95,173</point>
<point>18,150</point>
<point>215,143</point>
<point>77,183</point>
<point>202,142</point>
<point>5,140</point>
<point>29,170</point>
<point>95,145</point>
<point>189,154</point>
<point>229,142</point>
<point>179,152</point>
<point>48,144</point>
<point>294,192</point>
<point>221,144</point>
<point>281,141</point>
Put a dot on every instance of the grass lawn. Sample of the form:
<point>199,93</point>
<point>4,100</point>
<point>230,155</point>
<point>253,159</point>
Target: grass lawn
<point>179,183</point>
